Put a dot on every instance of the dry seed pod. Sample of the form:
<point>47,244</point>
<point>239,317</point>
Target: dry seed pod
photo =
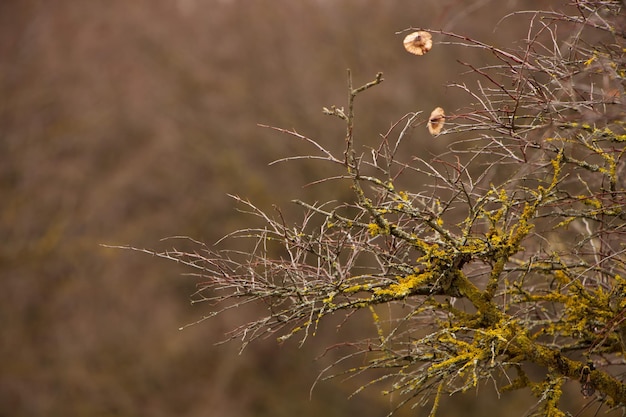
<point>418,43</point>
<point>436,121</point>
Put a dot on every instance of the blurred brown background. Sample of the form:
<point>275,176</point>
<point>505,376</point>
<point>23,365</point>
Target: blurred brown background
<point>123,122</point>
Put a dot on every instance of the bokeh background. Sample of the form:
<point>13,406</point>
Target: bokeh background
<point>124,122</point>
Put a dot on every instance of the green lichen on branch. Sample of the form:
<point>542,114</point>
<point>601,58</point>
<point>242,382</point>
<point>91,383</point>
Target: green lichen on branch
<point>503,253</point>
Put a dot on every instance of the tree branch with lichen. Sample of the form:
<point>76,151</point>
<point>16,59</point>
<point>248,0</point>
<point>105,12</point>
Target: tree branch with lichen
<point>514,257</point>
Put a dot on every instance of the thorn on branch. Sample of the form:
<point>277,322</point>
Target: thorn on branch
<point>379,79</point>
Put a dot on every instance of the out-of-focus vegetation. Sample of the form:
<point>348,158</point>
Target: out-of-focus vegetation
<point>127,122</point>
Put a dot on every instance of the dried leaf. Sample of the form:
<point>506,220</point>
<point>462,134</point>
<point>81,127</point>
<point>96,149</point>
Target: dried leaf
<point>436,121</point>
<point>418,43</point>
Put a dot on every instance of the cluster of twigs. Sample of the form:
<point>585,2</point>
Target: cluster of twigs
<point>513,254</point>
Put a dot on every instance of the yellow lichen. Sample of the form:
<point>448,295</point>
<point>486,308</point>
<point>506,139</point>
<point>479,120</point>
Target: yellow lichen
<point>373,229</point>
<point>404,286</point>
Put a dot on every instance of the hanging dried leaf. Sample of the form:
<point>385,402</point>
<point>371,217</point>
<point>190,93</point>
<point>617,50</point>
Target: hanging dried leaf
<point>418,43</point>
<point>436,121</point>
